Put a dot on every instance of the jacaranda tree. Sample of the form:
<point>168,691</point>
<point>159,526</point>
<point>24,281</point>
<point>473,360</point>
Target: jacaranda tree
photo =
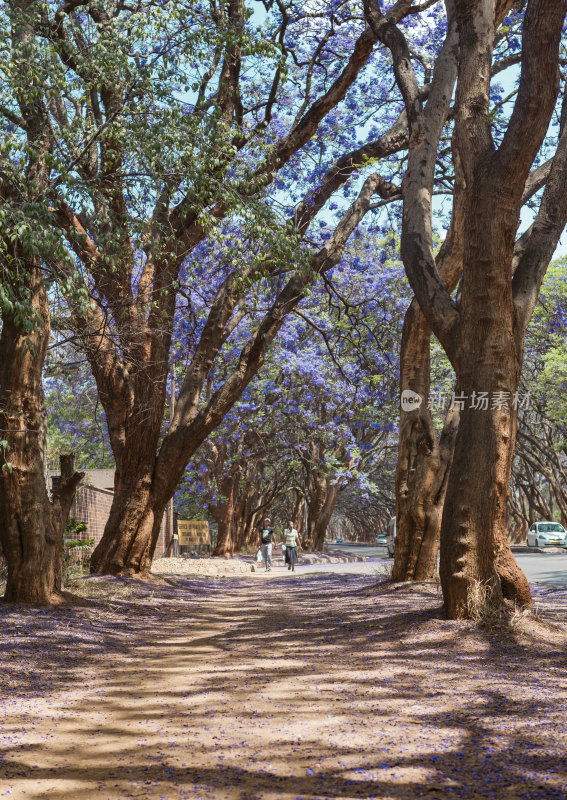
<point>482,330</point>
<point>150,126</point>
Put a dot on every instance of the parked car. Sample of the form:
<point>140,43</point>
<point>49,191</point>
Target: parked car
<point>391,537</point>
<point>381,538</point>
<point>340,541</point>
<point>546,534</point>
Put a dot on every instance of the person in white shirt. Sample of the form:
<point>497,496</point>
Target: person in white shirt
<point>290,542</point>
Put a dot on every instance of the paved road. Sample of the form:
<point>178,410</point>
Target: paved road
<point>547,568</point>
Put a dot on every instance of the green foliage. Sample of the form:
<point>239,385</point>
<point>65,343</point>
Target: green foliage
<point>74,527</point>
<point>75,419</point>
<point>76,552</point>
<point>4,447</point>
<point>545,372</point>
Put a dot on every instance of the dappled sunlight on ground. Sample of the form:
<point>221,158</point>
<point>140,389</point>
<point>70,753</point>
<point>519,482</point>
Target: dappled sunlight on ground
<point>322,686</point>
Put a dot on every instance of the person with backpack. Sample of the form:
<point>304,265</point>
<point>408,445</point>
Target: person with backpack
<point>266,541</point>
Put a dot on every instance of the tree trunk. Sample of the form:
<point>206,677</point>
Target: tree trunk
<point>297,509</point>
<point>225,540</point>
<point>317,493</point>
<point>322,521</point>
<point>252,526</point>
<point>134,522</point>
<point>474,543</point>
<point>424,459</point>
<point>223,513</point>
<point>32,526</point>
<point>242,510</point>
<point>423,469</point>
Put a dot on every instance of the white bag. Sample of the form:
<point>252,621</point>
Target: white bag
<point>259,556</point>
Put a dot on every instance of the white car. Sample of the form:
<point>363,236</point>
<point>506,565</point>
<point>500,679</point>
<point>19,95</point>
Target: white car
<point>546,534</point>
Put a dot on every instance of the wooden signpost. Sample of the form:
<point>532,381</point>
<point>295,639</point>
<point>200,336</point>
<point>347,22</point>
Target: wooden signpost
<point>194,534</point>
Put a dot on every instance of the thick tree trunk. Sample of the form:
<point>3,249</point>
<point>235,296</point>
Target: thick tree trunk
<point>474,543</point>
<point>424,464</point>
<point>226,539</point>
<point>135,519</point>
<point>31,527</point>
<point>322,521</point>
<point>424,458</point>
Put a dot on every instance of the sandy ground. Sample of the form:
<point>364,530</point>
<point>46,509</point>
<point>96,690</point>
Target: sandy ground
<point>298,688</point>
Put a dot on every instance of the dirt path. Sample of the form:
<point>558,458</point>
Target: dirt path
<point>297,688</point>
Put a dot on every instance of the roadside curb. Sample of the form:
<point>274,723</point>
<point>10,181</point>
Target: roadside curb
<point>335,557</point>
<point>522,548</point>
<point>326,557</point>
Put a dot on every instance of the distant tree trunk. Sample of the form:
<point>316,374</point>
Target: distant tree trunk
<point>241,513</point>
<point>32,526</point>
<point>322,521</point>
<point>296,512</point>
<point>223,513</point>
<point>317,493</point>
<point>252,529</point>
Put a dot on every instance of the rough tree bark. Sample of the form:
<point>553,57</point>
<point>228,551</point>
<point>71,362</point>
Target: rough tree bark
<point>489,342</point>
<point>483,334</point>
<point>223,514</point>
<point>424,458</point>
<point>32,526</point>
<point>424,463</point>
<point>321,523</point>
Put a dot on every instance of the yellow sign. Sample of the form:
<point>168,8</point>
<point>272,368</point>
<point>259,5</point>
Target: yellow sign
<point>193,532</point>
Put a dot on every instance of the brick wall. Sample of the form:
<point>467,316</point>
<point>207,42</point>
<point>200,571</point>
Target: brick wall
<point>92,505</point>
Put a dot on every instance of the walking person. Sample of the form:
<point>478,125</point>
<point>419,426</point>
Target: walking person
<point>291,540</point>
<point>266,541</point>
